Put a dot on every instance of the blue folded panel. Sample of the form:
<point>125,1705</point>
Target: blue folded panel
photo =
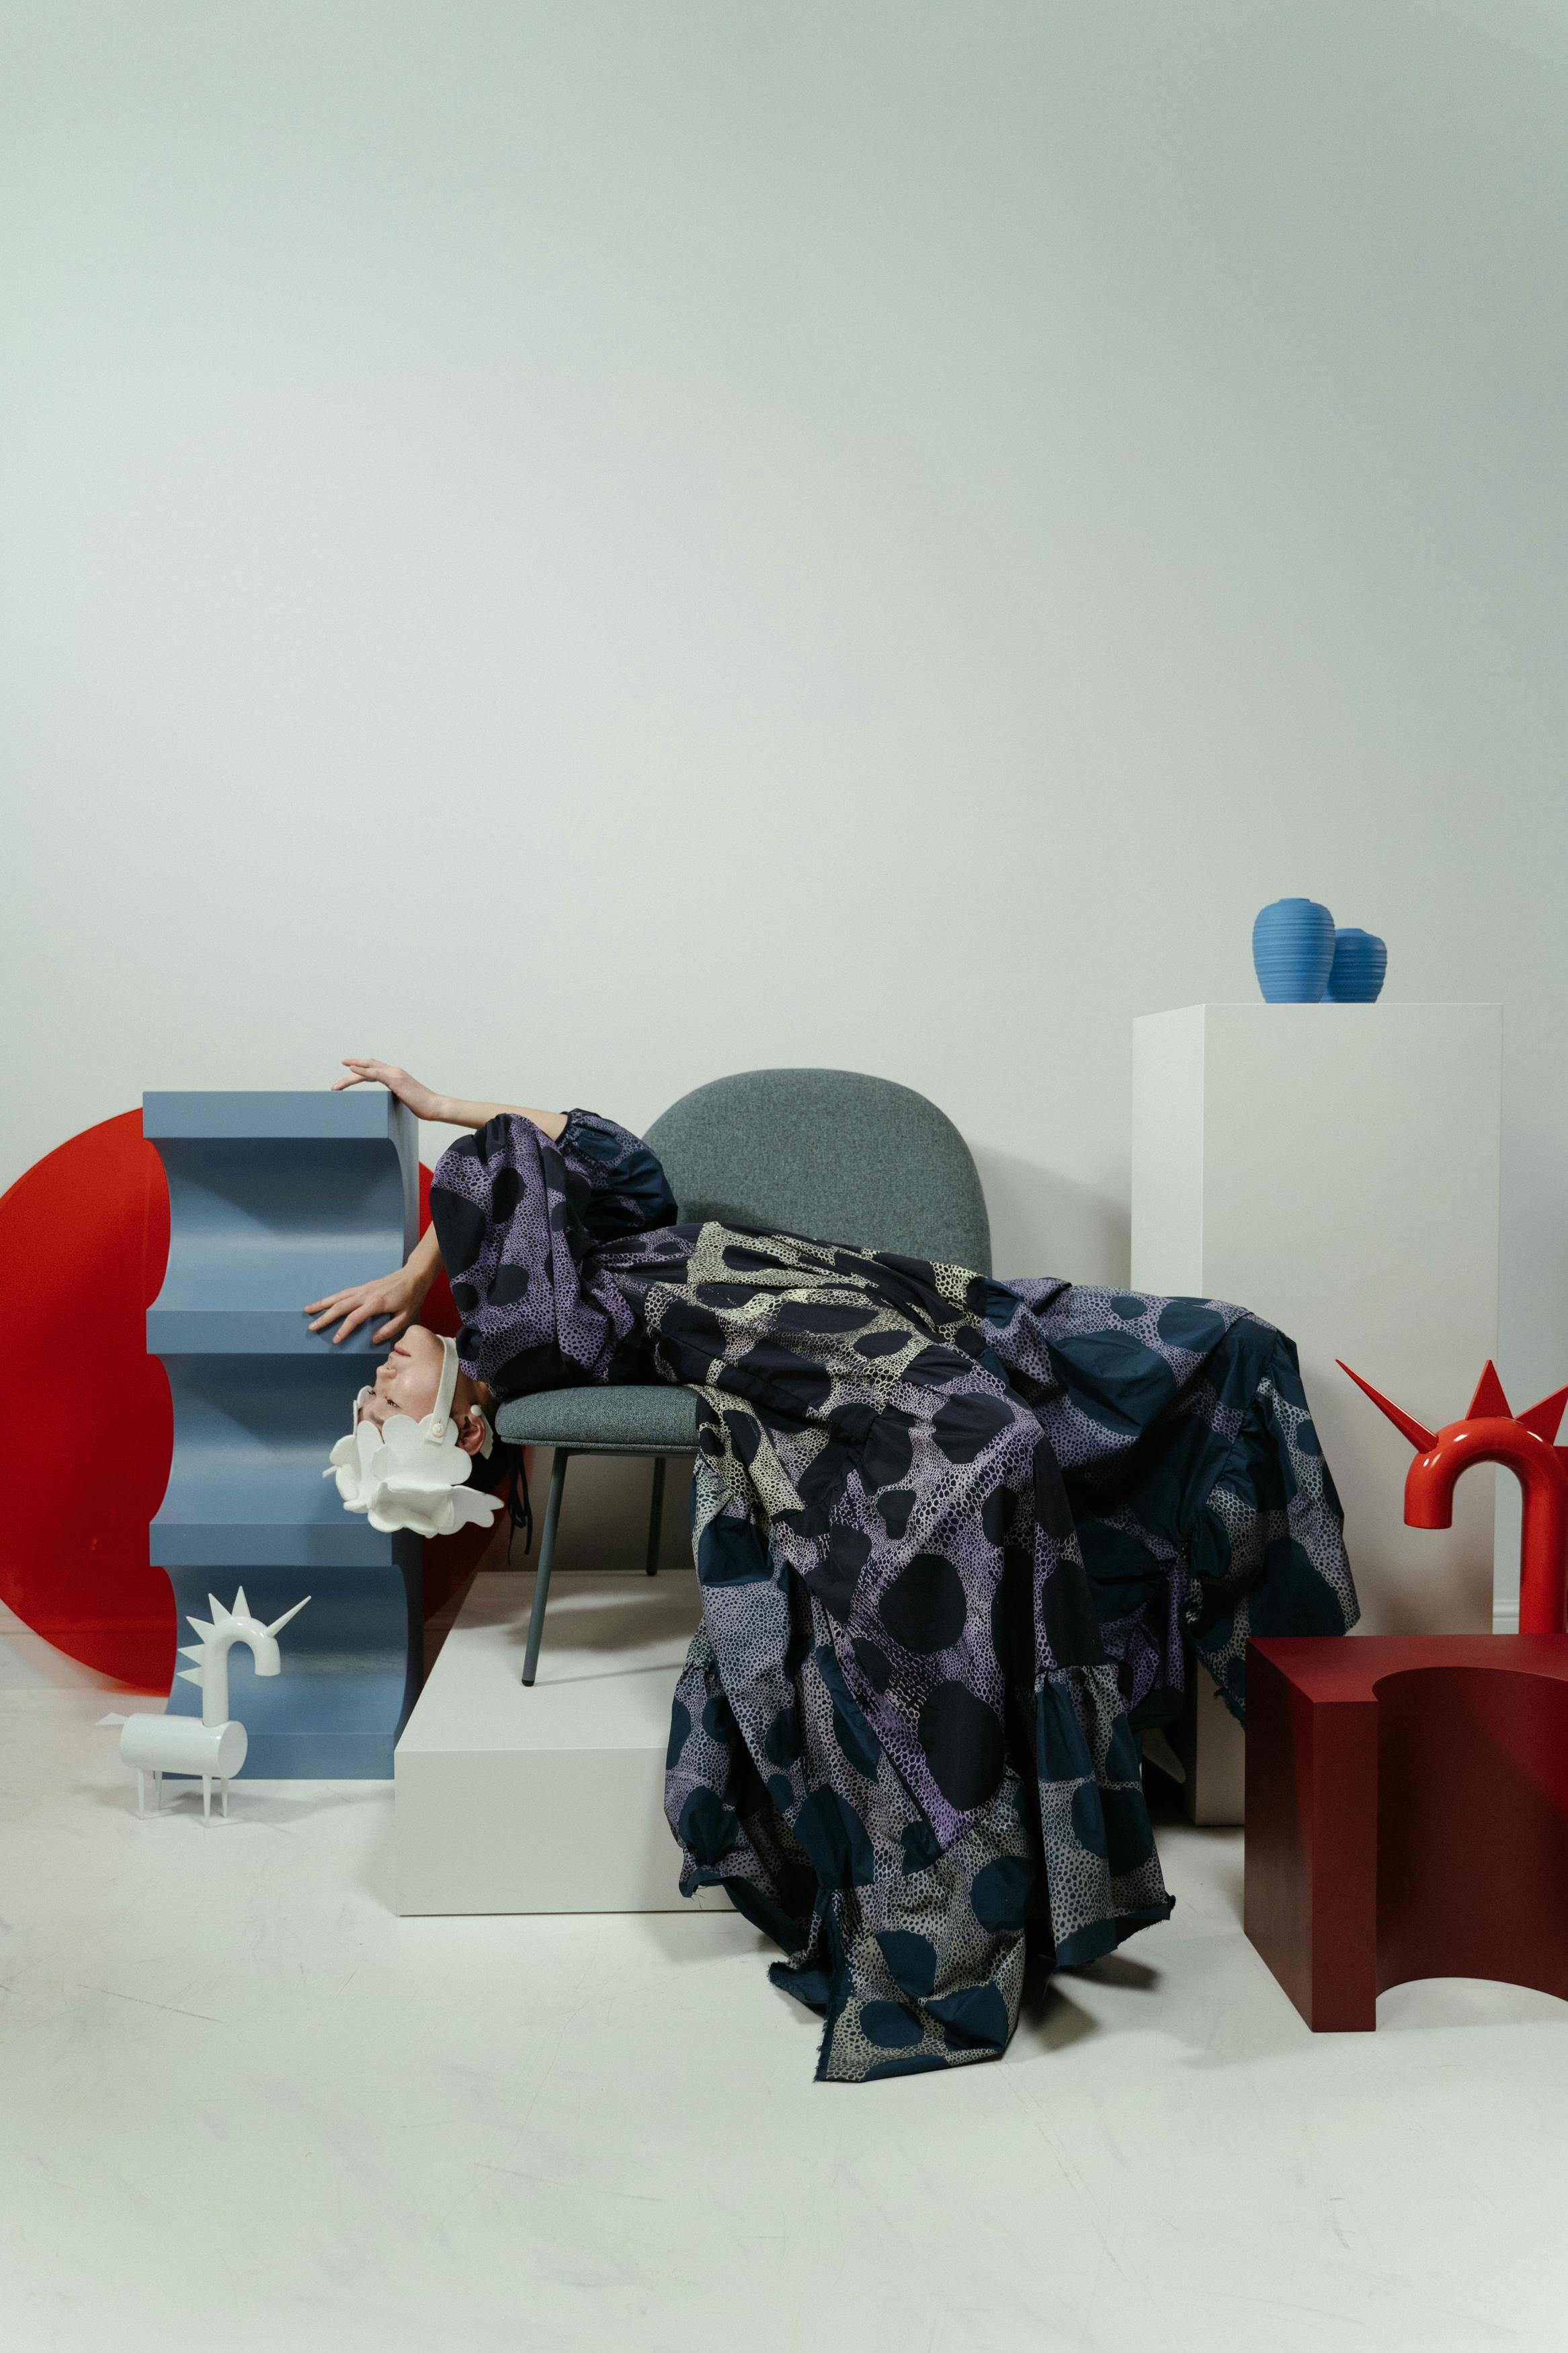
<point>274,1200</point>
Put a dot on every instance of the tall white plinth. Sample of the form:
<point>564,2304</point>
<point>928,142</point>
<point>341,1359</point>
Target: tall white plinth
<point>1334,1168</point>
<point>549,1799</point>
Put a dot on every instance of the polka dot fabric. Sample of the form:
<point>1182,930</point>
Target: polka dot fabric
<point>530,1232</point>
<point>955,1540</point>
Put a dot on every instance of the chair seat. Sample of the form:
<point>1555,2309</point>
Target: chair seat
<point>654,1420</point>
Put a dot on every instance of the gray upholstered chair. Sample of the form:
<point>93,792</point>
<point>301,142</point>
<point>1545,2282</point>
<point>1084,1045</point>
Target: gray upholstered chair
<point>827,1154</point>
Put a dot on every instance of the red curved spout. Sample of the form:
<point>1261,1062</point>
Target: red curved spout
<point>1543,1550</point>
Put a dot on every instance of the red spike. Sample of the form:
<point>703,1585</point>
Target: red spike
<point>1543,1418</point>
<point>1422,1439</point>
<point>1489,1404</point>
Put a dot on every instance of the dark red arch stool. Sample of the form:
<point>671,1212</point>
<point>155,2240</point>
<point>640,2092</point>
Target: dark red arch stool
<point>1406,1815</point>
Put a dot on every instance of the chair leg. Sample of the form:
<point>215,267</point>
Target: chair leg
<point>546,1558</point>
<point>656,1516</point>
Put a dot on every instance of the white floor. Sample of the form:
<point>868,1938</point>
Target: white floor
<point>243,2104</point>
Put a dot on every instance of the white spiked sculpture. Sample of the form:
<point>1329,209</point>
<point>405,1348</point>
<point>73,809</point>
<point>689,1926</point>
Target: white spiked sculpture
<point>214,1748</point>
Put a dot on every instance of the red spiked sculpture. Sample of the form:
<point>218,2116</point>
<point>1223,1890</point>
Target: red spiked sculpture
<point>1491,1432</point>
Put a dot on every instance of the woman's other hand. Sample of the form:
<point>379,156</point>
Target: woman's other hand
<point>395,1296</point>
<point>422,1101</point>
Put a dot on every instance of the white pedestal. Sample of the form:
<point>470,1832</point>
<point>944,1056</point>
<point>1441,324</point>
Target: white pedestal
<point>550,1800</point>
<point>1334,1168</point>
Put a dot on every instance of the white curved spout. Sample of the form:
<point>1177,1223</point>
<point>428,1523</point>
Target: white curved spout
<point>211,1653</point>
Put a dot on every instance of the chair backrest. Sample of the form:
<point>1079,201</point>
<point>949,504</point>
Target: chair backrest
<point>832,1155</point>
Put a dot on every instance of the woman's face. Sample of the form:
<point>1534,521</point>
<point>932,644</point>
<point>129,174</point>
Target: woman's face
<point>409,1381</point>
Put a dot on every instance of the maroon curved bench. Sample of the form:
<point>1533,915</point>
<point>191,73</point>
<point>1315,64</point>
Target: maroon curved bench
<point>1406,1815</point>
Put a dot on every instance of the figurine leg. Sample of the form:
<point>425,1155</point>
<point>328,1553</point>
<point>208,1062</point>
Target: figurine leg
<point>206,1797</point>
<point>141,1791</point>
<point>223,1798</point>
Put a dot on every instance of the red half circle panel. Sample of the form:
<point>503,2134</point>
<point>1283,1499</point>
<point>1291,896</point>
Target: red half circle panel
<point>84,1236</point>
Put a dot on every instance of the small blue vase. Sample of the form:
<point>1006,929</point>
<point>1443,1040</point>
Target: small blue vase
<point>1292,949</point>
<point>1355,975</point>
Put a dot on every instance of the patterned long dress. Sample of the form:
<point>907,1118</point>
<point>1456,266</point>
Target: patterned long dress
<point>955,1540</point>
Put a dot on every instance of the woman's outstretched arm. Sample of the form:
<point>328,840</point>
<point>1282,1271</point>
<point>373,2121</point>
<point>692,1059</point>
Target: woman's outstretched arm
<point>443,1111</point>
<point>398,1297</point>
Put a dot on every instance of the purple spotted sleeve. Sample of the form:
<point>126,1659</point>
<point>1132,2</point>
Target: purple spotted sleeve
<point>515,1216</point>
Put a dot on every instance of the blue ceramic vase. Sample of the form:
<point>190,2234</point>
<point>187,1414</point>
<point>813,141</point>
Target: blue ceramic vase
<point>1355,975</point>
<point>1292,950</point>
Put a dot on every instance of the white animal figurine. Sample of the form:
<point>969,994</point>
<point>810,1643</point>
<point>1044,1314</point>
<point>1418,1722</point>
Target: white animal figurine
<point>214,1748</point>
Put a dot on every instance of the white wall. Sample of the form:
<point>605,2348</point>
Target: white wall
<point>583,547</point>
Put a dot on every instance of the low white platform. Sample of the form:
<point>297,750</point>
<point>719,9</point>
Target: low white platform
<point>550,1800</point>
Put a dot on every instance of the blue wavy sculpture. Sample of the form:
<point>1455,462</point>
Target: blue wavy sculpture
<point>274,1200</point>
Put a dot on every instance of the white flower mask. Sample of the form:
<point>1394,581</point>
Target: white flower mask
<point>412,1474</point>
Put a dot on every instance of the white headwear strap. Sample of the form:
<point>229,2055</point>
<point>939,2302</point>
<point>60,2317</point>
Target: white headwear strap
<point>444,1393</point>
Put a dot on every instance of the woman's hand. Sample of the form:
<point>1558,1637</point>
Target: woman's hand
<point>395,1296</point>
<point>422,1101</point>
<point>398,1298</point>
